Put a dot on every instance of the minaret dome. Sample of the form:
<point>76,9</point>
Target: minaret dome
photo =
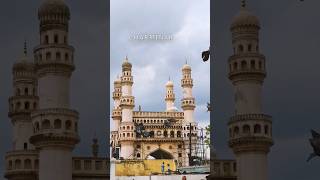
<point>126,65</point>
<point>244,19</point>
<point>57,7</point>
<point>169,84</point>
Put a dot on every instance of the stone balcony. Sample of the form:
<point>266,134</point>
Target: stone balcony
<point>22,163</point>
<point>223,170</point>
<point>90,167</point>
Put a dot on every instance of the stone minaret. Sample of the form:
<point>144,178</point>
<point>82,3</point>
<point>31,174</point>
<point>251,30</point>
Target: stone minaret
<point>55,124</point>
<point>116,113</point>
<point>21,104</point>
<point>188,106</point>
<point>188,101</point>
<point>127,128</point>
<point>250,130</point>
<point>170,96</point>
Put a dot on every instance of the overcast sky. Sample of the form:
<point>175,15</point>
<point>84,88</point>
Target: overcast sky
<point>290,41</point>
<point>89,81</point>
<point>154,61</point>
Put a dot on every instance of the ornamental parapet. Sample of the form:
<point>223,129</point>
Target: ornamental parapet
<point>55,126</point>
<point>188,103</point>
<point>126,80</point>
<point>24,76</point>
<point>53,45</point>
<point>188,82</point>
<point>170,97</point>
<point>250,125</point>
<point>127,101</point>
<point>116,95</point>
<point>248,117</point>
<point>54,59</point>
<point>223,169</point>
<point>250,144</point>
<point>147,114</point>
<point>247,66</point>
<point>160,139</point>
<point>90,167</point>
<point>23,163</point>
<point>116,113</point>
<point>22,105</point>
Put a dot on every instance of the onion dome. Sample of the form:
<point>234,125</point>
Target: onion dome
<point>186,67</point>
<point>118,80</point>
<point>126,65</point>
<point>24,63</point>
<point>169,83</point>
<point>245,18</point>
<point>54,7</point>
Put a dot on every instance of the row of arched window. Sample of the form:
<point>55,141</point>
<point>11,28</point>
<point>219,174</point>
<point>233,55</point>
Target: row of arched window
<point>187,75</point>
<point>245,48</point>
<point>169,95</point>
<point>126,100</point>
<point>148,121</point>
<point>126,127</point>
<point>23,106</point>
<point>49,56</point>
<point>123,135</point>
<point>25,91</point>
<point>244,64</point>
<point>58,17</point>
<point>248,130</point>
<point>126,73</point>
<point>187,81</point>
<point>88,164</point>
<point>188,127</point>
<point>54,39</point>
<point>126,78</point>
<point>57,124</point>
<point>22,164</point>
<point>187,102</point>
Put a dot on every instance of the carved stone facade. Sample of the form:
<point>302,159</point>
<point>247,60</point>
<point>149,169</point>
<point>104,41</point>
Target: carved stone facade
<point>250,131</point>
<point>168,132</point>
<point>45,128</point>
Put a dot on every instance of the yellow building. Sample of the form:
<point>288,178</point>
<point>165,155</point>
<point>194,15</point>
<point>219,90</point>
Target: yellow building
<point>143,167</point>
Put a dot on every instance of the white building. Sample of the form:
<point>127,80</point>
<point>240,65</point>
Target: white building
<point>45,128</point>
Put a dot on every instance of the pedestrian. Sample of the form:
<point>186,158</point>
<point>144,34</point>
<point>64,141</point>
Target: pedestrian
<point>169,171</point>
<point>184,178</point>
<point>162,167</point>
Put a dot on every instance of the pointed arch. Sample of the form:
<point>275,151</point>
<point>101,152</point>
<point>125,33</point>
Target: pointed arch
<point>161,154</point>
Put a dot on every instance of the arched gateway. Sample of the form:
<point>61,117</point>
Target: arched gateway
<point>160,154</point>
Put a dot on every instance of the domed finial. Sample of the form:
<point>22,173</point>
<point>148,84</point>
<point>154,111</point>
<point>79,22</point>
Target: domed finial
<point>243,3</point>
<point>127,58</point>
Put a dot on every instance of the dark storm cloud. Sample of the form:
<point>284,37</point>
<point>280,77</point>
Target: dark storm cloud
<point>89,81</point>
<point>290,41</point>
